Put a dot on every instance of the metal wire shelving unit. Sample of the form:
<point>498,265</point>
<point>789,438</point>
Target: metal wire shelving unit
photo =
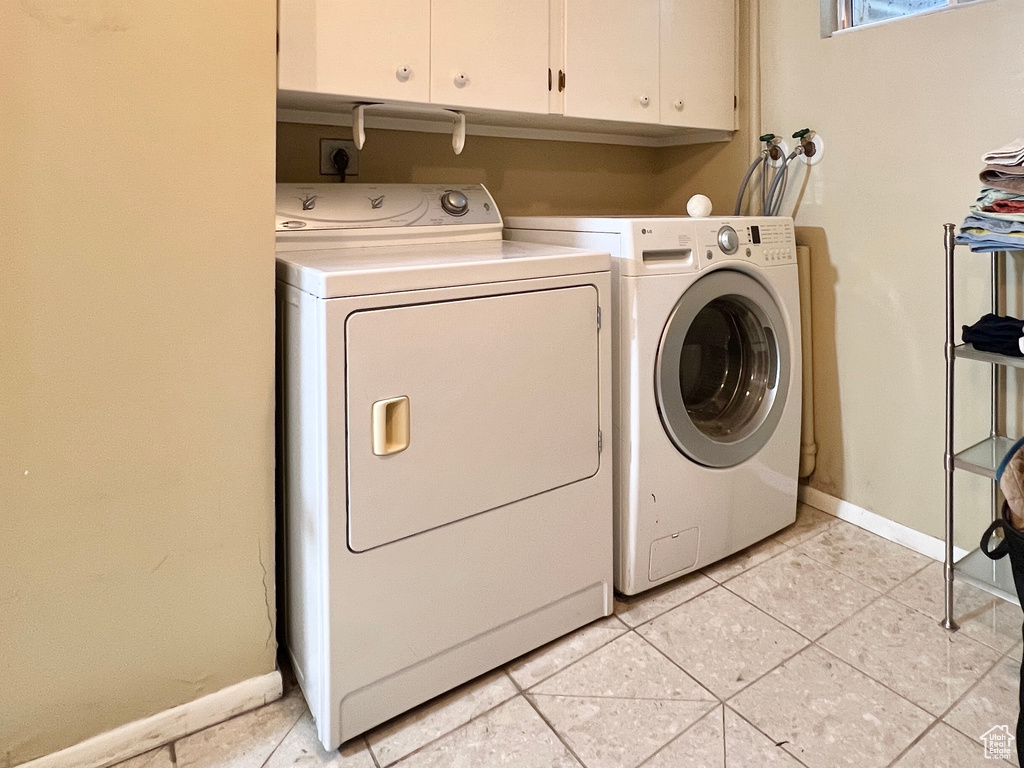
<point>982,458</point>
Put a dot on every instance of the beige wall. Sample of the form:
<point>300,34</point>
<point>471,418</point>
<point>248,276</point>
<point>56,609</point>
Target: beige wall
<point>531,177</point>
<point>136,361</point>
<point>906,110</point>
<point>525,177</point>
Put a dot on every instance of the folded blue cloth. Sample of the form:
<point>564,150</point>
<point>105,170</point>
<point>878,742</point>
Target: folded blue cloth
<point>984,221</point>
<point>983,241</point>
<point>989,195</point>
<point>985,232</point>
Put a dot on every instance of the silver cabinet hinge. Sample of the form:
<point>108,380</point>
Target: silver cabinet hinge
<point>599,318</point>
<point>600,441</point>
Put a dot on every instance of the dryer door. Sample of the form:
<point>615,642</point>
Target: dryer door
<point>457,407</point>
<point>722,371</point>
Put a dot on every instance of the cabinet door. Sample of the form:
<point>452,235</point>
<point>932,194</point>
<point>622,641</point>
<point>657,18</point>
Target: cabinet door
<point>491,54</point>
<point>698,63</point>
<point>371,49</point>
<point>611,59</point>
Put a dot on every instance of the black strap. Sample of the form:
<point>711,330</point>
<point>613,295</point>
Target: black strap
<point>1003,546</point>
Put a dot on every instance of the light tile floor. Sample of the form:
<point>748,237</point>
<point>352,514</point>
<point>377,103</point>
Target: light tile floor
<point>819,647</point>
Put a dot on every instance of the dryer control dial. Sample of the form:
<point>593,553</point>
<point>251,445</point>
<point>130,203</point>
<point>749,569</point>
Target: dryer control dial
<point>455,203</point>
<point>728,240</point>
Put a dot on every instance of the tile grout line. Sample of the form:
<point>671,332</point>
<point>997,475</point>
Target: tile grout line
<point>682,733</point>
<point>552,728</point>
<point>458,727</point>
<point>794,629</point>
<point>716,700</point>
<point>678,666</point>
<point>530,696</point>
<point>814,644</point>
<point>725,741</point>
<point>748,684</point>
<point>286,735</point>
<point>994,600</point>
<point>862,583</point>
<point>913,743</point>
<point>785,548</point>
<point>968,692</point>
<point>988,669</point>
<point>759,678</point>
<point>954,705</point>
<point>574,662</point>
<point>879,682</point>
<point>373,757</point>
<point>673,607</point>
<point>879,594</point>
<point>889,594</point>
<point>747,720</point>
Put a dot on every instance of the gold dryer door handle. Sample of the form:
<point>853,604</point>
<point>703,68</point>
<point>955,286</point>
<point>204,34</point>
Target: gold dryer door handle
<point>390,420</point>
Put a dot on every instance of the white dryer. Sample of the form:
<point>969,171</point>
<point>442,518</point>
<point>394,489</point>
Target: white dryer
<point>706,350</point>
<point>447,506</point>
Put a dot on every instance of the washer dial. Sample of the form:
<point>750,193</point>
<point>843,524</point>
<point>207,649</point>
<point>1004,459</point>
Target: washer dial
<point>728,240</point>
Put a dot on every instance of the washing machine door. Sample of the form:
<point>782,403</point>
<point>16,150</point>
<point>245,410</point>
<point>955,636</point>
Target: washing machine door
<point>722,370</point>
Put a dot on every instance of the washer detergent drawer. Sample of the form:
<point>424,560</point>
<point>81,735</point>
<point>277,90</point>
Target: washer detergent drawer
<point>502,403</point>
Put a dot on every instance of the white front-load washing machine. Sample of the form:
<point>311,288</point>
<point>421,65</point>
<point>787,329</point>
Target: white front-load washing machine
<point>446,487</point>
<point>707,386</point>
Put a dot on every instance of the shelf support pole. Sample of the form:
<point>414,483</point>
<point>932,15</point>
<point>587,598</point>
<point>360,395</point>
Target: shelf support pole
<point>998,271</point>
<point>950,243</point>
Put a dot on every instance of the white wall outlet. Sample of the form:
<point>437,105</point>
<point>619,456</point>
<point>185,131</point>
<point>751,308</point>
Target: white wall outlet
<point>327,148</point>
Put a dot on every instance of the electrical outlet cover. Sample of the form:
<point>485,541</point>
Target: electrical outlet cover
<point>328,147</point>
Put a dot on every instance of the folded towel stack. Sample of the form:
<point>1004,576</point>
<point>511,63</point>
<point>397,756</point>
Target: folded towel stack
<point>996,221</point>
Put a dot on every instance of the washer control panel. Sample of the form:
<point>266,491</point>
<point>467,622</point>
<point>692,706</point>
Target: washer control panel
<point>764,241</point>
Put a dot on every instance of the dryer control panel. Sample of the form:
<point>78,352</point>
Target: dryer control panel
<point>341,215</point>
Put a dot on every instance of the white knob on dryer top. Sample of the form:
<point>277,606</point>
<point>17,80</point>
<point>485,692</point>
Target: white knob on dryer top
<point>699,206</point>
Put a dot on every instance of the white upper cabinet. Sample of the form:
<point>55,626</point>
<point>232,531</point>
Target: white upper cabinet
<point>664,70</point>
<point>611,59</point>
<point>371,49</point>
<point>698,63</point>
<point>490,54</point>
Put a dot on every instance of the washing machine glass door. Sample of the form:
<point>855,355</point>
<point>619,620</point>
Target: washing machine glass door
<point>722,371</point>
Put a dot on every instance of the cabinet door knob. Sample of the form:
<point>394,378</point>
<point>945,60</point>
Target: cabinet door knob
<point>645,101</point>
<point>403,74</point>
<point>678,104</point>
<point>461,81</point>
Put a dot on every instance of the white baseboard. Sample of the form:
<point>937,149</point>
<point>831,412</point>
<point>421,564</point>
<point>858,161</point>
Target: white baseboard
<point>929,546</point>
<point>164,727</point>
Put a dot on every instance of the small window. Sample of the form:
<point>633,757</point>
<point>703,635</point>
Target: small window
<point>856,13</point>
